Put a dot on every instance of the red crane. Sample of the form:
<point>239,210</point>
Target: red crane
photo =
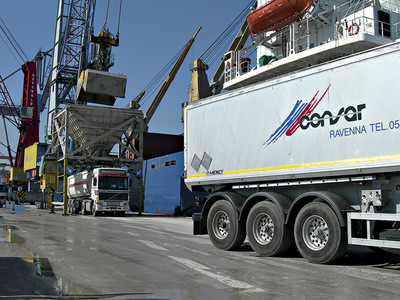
<point>27,119</point>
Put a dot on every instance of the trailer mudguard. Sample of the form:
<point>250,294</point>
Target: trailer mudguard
<point>200,219</point>
<point>335,201</point>
<point>281,201</point>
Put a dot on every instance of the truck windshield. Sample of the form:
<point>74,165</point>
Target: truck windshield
<point>113,182</point>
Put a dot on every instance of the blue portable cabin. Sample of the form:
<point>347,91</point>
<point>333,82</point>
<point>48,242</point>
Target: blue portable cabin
<point>164,190</point>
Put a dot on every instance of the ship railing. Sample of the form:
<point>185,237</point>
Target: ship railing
<point>353,24</point>
<point>355,20</point>
<point>239,63</point>
<point>359,24</point>
<point>363,25</point>
<point>357,11</point>
<point>392,5</point>
<point>351,27</point>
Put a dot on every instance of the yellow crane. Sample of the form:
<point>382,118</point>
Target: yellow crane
<point>156,101</point>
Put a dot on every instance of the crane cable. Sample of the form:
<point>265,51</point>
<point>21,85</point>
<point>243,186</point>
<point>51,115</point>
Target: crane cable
<point>156,82</point>
<point>105,23</point>
<point>13,42</point>
<point>211,54</point>
<point>218,47</point>
<point>119,17</point>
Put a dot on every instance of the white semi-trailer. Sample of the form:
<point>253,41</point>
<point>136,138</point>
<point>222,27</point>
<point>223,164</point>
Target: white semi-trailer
<point>310,157</point>
<point>100,190</point>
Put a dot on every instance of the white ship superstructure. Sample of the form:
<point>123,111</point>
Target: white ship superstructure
<point>327,31</point>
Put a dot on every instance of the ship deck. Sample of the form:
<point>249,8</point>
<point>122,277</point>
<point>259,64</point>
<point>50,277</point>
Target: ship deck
<point>323,53</point>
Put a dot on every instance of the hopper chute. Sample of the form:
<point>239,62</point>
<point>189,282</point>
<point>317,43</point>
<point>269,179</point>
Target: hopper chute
<point>94,130</point>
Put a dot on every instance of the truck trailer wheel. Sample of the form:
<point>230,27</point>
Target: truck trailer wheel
<point>318,235</point>
<point>95,213</point>
<point>75,206</point>
<point>69,210</point>
<point>268,235</point>
<point>224,229</point>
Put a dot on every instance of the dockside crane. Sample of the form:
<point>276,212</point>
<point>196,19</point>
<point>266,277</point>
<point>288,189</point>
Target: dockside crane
<point>171,76</point>
<point>134,104</point>
<point>25,119</point>
<point>79,76</point>
<point>70,52</point>
<point>72,56</point>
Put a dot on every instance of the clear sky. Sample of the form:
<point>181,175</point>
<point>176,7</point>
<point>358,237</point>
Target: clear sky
<point>151,34</point>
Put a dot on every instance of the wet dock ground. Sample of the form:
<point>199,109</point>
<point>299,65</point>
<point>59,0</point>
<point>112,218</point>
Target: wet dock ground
<point>50,256</point>
<point>20,276</point>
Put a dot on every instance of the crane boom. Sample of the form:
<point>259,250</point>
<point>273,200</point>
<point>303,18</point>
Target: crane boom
<point>157,99</point>
<point>7,107</point>
<point>8,112</point>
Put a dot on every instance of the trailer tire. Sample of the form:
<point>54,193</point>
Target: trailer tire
<point>318,234</point>
<point>71,208</point>
<point>223,226</point>
<point>268,235</point>
<point>75,206</point>
<point>95,213</point>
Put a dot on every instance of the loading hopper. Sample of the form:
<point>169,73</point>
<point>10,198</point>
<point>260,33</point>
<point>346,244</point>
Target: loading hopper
<point>94,130</point>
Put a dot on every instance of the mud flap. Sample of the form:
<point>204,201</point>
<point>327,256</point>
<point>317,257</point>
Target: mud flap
<point>199,224</point>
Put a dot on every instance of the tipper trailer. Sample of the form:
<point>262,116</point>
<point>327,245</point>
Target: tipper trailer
<point>100,190</point>
<point>310,157</point>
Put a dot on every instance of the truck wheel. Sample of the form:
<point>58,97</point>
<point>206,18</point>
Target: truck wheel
<point>83,208</point>
<point>268,235</point>
<point>75,206</point>
<point>318,235</point>
<point>224,229</point>
<point>71,207</point>
<point>95,213</point>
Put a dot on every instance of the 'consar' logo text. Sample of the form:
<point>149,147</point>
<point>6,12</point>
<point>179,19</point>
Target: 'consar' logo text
<point>350,114</point>
<point>302,116</point>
